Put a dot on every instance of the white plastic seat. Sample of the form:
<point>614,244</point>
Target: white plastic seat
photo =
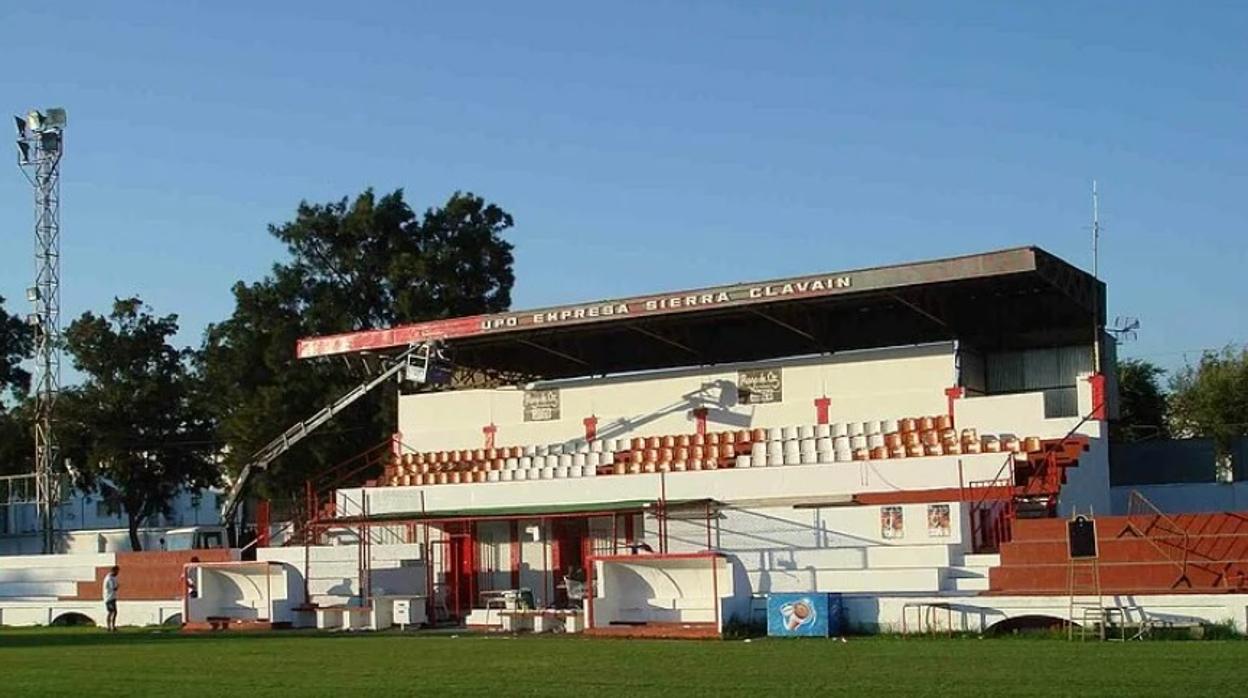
<point>562,471</point>
<point>758,451</point>
<point>806,431</point>
<point>522,474</point>
<point>841,443</point>
<point>547,473</point>
<point>855,428</point>
<point>843,455</point>
<point>566,460</point>
<point>492,476</point>
<point>789,433</point>
<point>823,431</point>
<point>511,463</point>
<point>775,434</point>
<point>590,472</point>
<point>744,461</point>
<point>576,471</point>
<point>792,452</point>
<point>888,426</point>
<point>530,451</point>
<point>857,442</point>
<point>582,447</point>
<point>809,457</point>
<point>839,429</point>
<point>875,440</point>
<point>807,446</point>
<point>775,453</point>
<point>526,462</point>
<point>554,449</point>
<point>593,459</point>
<point>508,475</point>
<point>872,427</point>
<point>823,447</point>
<point>543,450</point>
<point>595,446</point>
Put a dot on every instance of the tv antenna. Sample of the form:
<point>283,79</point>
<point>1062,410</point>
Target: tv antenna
<point>1124,329</point>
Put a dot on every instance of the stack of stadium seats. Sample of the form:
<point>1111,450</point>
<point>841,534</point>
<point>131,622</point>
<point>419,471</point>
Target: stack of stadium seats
<point>505,464</point>
<point>682,452</point>
<point>840,442</point>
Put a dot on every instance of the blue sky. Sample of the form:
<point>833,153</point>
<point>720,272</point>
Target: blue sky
<point>648,146</point>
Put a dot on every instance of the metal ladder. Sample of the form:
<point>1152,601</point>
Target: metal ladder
<point>1083,579</point>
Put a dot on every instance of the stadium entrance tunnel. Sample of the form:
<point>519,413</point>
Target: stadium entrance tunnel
<point>1026,624</point>
<point>73,620</point>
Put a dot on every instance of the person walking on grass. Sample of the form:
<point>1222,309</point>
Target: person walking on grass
<point>110,598</point>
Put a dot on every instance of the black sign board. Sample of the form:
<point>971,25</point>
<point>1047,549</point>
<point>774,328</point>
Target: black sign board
<point>1081,538</point>
<point>760,386</point>
<point>541,405</point>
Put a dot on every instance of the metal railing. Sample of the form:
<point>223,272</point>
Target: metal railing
<point>1147,522</point>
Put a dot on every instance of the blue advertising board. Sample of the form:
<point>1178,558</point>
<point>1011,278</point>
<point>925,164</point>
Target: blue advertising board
<point>812,614</point>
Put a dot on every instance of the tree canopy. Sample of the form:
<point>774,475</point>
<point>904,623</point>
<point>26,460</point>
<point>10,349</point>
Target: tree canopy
<point>16,439</point>
<point>134,427</point>
<point>1211,398</point>
<point>354,264</point>
<point>1142,408</point>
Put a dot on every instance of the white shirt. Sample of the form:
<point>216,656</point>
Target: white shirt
<point>110,588</point>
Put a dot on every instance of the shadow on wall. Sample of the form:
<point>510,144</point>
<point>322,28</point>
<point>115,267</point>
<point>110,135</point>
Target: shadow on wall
<point>717,397</point>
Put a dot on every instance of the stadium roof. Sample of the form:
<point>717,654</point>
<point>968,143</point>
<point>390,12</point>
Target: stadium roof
<point>1010,299</point>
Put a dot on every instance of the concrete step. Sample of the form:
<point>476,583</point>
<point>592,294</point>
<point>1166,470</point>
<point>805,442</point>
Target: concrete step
<point>10,590</point>
<point>47,574</point>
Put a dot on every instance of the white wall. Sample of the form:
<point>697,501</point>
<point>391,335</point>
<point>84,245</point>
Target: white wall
<point>878,384</point>
<point>808,481</point>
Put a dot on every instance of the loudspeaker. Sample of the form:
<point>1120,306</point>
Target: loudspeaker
<point>1081,537</point>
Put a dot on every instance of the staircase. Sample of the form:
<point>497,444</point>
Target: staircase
<point>1027,487</point>
<point>1188,553</point>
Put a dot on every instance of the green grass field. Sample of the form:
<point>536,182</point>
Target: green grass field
<point>87,661</point>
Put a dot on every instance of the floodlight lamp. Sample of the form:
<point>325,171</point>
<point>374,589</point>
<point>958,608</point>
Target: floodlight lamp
<point>50,141</point>
<point>34,319</point>
<point>21,126</point>
<point>23,153</point>
<point>34,121</point>
<point>32,294</point>
<point>55,117</point>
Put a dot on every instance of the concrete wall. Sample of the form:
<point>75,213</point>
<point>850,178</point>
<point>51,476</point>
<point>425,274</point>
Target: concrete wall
<point>1189,497</point>
<point>879,384</point>
<point>803,481</point>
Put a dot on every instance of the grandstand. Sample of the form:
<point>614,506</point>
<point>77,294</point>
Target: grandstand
<point>910,437</point>
<point>897,435</point>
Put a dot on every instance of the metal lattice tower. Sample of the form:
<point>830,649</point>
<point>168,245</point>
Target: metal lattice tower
<point>40,143</point>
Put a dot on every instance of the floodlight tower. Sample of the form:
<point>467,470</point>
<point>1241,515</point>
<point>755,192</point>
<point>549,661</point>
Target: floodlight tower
<point>40,144</point>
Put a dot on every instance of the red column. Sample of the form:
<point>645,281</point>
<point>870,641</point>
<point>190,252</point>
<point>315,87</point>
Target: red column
<point>515,554</point>
<point>489,430</point>
<point>1099,408</point>
<point>262,524</point>
<point>699,415</point>
<point>957,392</point>
<point>591,428</point>
<point>823,406</point>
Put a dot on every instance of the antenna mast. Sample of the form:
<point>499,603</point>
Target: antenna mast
<point>40,143</point>
<point>1096,277</point>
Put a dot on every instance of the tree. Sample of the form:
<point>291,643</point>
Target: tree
<point>1211,398</point>
<point>368,263</point>
<point>134,427</point>
<point>16,437</point>
<point>1142,408</point>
